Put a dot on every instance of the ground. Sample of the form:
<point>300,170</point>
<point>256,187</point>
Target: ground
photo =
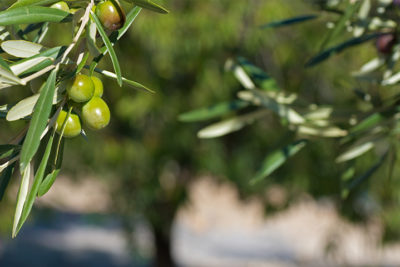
<point>214,228</point>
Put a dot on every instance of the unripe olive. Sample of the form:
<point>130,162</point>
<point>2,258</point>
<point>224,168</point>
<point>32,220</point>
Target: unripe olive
<point>96,114</point>
<point>98,86</point>
<point>110,14</point>
<point>82,89</point>
<point>385,43</point>
<point>61,5</point>
<point>72,127</point>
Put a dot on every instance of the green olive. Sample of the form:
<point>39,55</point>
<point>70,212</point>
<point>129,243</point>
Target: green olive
<point>110,14</point>
<point>98,86</point>
<point>61,5</point>
<point>72,127</point>
<point>82,89</point>
<point>96,114</point>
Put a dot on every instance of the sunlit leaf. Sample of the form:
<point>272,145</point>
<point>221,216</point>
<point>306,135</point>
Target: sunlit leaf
<point>33,14</point>
<point>21,198</point>
<point>231,125</point>
<point>26,106</point>
<point>33,64</point>
<point>21,48</point>
<point>355,152</point>
<point>22,3</point>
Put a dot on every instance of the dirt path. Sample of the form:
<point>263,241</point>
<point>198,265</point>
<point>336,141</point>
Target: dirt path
<point>213,229</point>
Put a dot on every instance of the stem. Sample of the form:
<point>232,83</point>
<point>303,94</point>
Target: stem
<point>61,135</point>
<point>56,64</point>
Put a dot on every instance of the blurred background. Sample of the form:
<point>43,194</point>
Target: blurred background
<point>147,192</point>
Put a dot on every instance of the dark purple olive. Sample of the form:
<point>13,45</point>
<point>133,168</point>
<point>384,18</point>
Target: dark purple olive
<point>384,43</point>
<point>111,14</point>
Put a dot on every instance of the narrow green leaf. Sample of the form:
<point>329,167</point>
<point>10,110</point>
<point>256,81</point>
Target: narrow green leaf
<point>290,21</point>
<point>363,177</point>
<point>33,14</point>
<point>38,123</point>
<point>130,18</point>
<point>81,64</point>
<point>5,179</point>
<point>48,182</point>
<point>22,3</point>
<point>367,123</point>
<point>325,131</point>
<point>4,64</point>
<point>276,159</point>
<point>212,111</point>
<point>231,125</point>
<point>8,150</point>
<point>22,194</point>
<point>339,48</point>
<point>36,183</point>
<point>341,24</point>
<point>110,48</point>
<point>115,36</point>
<point>150,5</point>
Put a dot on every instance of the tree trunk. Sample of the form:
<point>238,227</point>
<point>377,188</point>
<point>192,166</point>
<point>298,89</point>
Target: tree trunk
<point>162,242</point>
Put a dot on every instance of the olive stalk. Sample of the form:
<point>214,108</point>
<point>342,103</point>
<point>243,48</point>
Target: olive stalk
<point>58,62</point>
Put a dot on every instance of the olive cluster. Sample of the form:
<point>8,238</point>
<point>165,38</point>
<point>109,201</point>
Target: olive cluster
<point>85,97</point>
<point>85,92</point>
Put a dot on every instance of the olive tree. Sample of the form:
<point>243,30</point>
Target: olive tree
<point>61,78</point>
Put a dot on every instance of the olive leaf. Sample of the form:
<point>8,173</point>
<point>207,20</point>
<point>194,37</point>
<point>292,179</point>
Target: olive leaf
<point>276,159</point>
<point>22,3</point>
<point>290,21</point>
<point>36,183</point>
<point>21,48</point>
<point>38,122</point>
<point>32,14</point>
<point>150,5</point>
<point>231,125</point>
<point>110,48</point>
<point>21,198</point>
<point>213,111</point>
